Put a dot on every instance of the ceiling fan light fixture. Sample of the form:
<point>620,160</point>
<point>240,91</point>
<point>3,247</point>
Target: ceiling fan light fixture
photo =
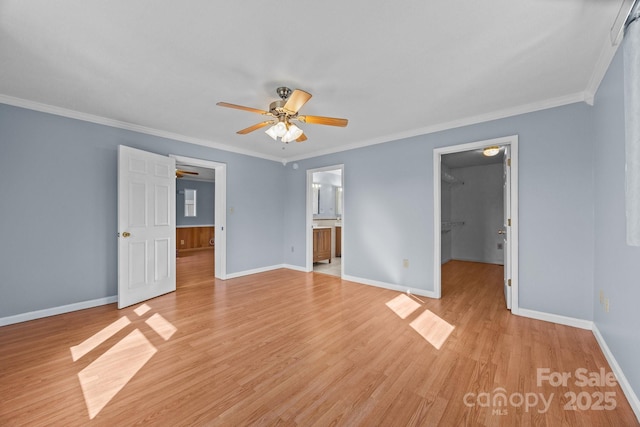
<point>292,134</point>
<point>272,132</point>
<point>491,151</point>
<point>280,129</point>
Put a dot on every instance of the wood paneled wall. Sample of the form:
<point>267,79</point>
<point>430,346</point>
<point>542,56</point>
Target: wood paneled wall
<point>190,238</point>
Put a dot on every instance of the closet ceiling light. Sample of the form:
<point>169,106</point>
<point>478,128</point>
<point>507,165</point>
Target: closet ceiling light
<point>491,151</point>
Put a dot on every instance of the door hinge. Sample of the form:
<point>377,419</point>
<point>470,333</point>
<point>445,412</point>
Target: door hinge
<point>509,162</point>
<point>509,282</point>
<point>509,222</point>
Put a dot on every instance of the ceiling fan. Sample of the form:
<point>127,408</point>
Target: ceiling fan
<point>181,173</point>
<point>283,112</point>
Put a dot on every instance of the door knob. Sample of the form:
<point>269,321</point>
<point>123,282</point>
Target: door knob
<point>126,234</point>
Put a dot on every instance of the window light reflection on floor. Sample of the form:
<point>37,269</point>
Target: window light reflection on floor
<point>103,378</point>
<point>432,328</point>
<point>162,326</point>
<point>109,373</point>
<point>142,309</point>
<point>77,351</point>
<point>429,325</point>
<point>403,306</point>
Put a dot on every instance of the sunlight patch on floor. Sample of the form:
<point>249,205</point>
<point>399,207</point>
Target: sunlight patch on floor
<point>77,351</point>
<point>162,326</point>
<point>109,373</point>
<point>103,378</point>
<point>403,306</point>
<point>432,328</point>
<point>142,309</point>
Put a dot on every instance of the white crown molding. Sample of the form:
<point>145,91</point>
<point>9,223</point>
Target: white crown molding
<point>72,114</point>
<point>609,47</point>
<point>604,61</point>
<point>495,115</point>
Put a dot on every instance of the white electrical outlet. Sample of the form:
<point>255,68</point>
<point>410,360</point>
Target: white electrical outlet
<point>405,263</point>
<point>601,296</point>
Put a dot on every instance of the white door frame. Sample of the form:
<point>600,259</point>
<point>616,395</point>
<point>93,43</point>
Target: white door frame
<point>220,236</point>
<point>309,222</point>
<point>512,141</point>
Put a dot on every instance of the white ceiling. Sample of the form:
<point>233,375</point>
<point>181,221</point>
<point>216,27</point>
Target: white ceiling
<point>394,69</point>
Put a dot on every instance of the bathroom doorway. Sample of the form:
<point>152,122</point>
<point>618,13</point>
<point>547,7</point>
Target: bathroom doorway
<point>325,220</point>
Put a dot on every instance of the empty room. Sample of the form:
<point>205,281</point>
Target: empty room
<point>254,213</point>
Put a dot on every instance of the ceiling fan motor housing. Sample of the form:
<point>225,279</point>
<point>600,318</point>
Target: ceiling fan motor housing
<point>277,109</point>
<point>283,92</point>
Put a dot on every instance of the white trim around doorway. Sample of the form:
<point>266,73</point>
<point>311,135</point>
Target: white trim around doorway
<point>309,216</point>
<point>511,141</point>
<point>220,209</point>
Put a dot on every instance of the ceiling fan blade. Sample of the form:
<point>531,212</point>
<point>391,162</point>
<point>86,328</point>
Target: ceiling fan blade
<point>318,120</point>
<point>302,138</point>
<point>297,99</point>
<point>180,173</point>
<point>240,107</point>
<point>254,127</point>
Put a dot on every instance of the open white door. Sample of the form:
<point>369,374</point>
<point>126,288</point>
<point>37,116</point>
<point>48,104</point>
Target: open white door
<point>506,230</point>
<point>146,225</point>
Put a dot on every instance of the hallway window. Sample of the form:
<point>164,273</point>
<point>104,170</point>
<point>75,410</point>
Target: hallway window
<point>189,202</point>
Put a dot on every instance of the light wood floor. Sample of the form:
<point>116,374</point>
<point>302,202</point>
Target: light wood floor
<point>290,348</point>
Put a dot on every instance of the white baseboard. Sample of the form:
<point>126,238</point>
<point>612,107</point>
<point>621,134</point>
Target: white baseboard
<point>32,315</point>
<point>399,288</point>
<point>295,267</point>
<point>555,318</point>
<point>482,261</point>
<point>254,271</point>
<point>617,371</point>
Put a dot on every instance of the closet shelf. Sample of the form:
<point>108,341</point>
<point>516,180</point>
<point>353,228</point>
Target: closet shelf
<point>450,179</point>
<point>448,225</point>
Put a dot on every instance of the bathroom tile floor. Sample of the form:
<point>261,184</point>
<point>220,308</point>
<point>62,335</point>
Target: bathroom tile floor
<point>333,268</point>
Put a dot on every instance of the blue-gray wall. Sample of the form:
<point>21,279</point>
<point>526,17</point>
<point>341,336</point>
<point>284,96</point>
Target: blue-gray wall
<point>479,204</point>
<point>388,207</point>
<point>58,213</point>
<point>617,266</point>
<point>205,203</point>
